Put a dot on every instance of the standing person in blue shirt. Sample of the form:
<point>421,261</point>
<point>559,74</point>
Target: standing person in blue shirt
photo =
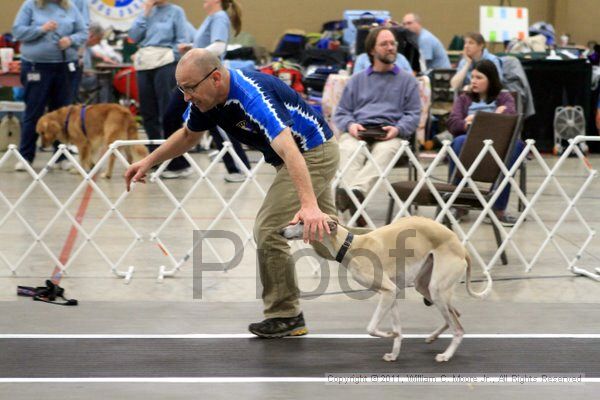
<point>430,47</point>
<point>50,32</point>
<point>263,112</point>
<point>473,51</point>
<point>213,35</point>
<point>158,32</point>
<point>84,9</point>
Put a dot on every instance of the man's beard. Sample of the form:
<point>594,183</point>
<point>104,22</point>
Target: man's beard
<point>388,59</point>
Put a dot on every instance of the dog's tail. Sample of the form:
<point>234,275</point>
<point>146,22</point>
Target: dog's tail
<point>139,151</point>
<point>488,288</point>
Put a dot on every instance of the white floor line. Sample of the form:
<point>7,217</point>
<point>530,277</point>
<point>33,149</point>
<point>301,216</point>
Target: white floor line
<point>310,336</point>
<point>260,379</point>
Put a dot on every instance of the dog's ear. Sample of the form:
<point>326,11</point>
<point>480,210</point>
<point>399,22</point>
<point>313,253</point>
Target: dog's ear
<point>332,226</point>
<point>43,130</point>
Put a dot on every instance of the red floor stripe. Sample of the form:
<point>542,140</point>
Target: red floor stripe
<point>72,237</point>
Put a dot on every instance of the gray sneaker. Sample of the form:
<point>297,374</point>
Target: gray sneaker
<point>235,177</point>
<point>181,173</point>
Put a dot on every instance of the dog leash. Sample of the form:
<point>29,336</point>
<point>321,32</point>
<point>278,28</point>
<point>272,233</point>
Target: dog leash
<point>66,127</point>
<point>81,117</point>
<point>342,252</point>
<point>46,294</point>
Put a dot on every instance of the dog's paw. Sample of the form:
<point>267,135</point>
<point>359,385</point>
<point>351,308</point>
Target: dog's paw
<point>390,357</point>
<point>431,339</point>
<point>441,358</point>
<point>381,334</point>
<point>105,175</point>
<point>73,171</point>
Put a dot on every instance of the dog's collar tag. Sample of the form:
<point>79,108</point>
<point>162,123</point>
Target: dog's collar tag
<point>342,252</point>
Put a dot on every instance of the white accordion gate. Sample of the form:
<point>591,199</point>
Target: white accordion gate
<point>383,184</point>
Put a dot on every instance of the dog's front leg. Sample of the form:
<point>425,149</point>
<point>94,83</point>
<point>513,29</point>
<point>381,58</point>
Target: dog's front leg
<point>386,301</point>
<point>397,327</point>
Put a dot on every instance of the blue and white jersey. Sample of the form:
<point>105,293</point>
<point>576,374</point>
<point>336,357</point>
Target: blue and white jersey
<point>258,108</point>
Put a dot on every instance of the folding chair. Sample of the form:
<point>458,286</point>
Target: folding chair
<point>503,130</point>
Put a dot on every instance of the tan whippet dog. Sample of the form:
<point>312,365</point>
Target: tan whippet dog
<point>413,250</point>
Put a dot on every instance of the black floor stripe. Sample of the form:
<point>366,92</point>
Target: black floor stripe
<point>81,358</point>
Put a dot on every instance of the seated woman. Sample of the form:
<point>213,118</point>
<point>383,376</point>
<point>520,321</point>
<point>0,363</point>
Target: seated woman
<point>485,95</point>
<point>473,51</point>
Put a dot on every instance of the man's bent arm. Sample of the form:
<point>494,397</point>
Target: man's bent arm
<point>286,148</point>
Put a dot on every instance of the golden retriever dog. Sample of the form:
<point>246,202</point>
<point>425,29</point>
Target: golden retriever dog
<point>102,124</point>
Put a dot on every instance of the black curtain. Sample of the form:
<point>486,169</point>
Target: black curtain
<point>553,84</point>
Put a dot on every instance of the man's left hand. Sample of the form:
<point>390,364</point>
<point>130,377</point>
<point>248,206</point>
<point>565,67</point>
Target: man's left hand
<point>392,132</point>
<point>315,223</point>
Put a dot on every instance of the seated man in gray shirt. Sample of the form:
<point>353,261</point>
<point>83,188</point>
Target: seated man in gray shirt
<point>382,96</point>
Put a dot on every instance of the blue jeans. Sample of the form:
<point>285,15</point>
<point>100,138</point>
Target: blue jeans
<point>502,200</point>
<point>52,89</point>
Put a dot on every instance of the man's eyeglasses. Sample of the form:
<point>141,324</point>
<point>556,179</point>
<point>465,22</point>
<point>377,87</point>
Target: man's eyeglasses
<point>386,44</point>
<point>191,89</point>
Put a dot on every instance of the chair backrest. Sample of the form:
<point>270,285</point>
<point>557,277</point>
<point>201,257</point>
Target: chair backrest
<point>503,130</point>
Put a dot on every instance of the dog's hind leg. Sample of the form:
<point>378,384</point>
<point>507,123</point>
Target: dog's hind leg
<point>442,302</point>
<point>111,164</point>
<point>423,278</point>
<point>435,334</point>
<point>397,328</point>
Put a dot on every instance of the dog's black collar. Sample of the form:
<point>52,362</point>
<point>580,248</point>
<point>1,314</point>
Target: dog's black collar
<point>342,252</point>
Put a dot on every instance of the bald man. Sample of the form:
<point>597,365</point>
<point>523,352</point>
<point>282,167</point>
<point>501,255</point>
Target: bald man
<point>430,47</point>
<point>264,113</point>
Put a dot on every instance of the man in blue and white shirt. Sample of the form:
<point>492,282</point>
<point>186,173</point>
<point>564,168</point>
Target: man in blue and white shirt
<point>264,113</point>
<point>430,47</point>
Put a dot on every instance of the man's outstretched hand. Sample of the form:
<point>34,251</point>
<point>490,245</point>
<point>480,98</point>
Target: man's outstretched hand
<point>136,173</point>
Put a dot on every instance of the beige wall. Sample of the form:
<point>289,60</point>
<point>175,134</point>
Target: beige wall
<point>266,19</point>
<point>579,18</point>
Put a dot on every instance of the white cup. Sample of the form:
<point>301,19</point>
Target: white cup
<point>6,57</point>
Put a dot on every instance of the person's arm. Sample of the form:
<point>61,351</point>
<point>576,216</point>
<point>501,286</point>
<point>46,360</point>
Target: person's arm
<point>361,63</point>
<point>426,50</point>
<point>458,79</point>
<point>315,221</point>
<point>344,112</point>
<point>177,144</point>
<point>217,48</point>
<point>137,32</point>
<point>506,104</point>
<point>219,35</point>
<point>412,106</point>
<point>181,29</point>
<point>80,33</point>
<point>23,29</point>
<point>456,120</point>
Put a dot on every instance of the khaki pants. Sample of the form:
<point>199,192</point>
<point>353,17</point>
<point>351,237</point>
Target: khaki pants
<point>362,174</point>
<point>276,266</point>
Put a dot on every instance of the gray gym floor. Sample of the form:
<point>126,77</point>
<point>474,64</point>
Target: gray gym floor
<point>546,300</point>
